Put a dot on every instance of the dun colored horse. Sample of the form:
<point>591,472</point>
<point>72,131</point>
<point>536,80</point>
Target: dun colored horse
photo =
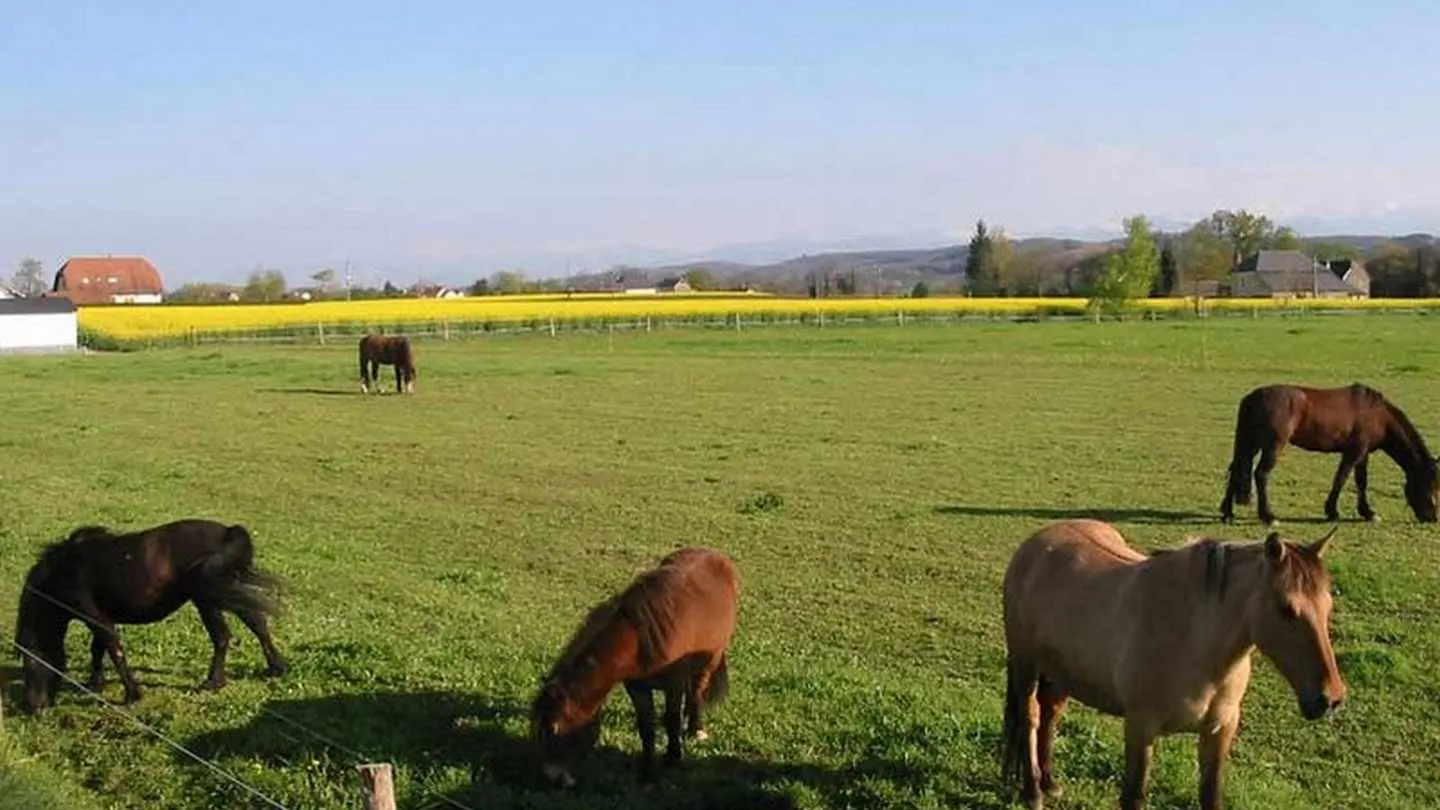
<point>391,351</point>
<point>1163,641</point>
<point>669,630</point>
<point>1352,421</point>
<point>105,579</point>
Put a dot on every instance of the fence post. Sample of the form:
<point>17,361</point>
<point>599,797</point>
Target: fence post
<point>379,786</point>
<point>552,326</point>
<point>647,323</point>
<point>737,323</point>
<point>320,330</point>
<point>900,316</point>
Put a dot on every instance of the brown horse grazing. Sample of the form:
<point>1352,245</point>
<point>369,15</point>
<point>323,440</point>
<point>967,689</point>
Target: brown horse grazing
<point>104,579</point>
<point>669,630</point>
<point>391,351</point>
<point>1163,641</point>
<point>1351,421</point>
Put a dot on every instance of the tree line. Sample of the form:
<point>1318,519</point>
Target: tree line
<point>1155,263</point>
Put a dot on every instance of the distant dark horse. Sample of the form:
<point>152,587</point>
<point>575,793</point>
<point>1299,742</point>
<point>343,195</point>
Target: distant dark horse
<point>1351,421</point>
<point>391,351</point>
<point>669,630</point>
<point>103,579</point>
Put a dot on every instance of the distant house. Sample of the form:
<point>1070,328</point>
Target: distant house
<point>108,280</point>
<point>1289,273</point>
<point>38,325</point>
<point>1352,272</point>
<point>673,285</point>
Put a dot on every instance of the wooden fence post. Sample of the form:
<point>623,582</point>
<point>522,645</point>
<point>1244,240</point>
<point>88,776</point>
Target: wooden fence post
<point>320,330</point>
<point>379,786</point>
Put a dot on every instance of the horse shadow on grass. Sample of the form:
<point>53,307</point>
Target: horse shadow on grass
<point>429,736</point>
<point>312,392</point>
<point>1138,515</point>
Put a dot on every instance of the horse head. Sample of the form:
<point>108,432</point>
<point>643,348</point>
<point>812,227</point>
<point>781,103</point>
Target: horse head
<point>1422,492</point>
<point>1290,615</point>
<point>560,729</point>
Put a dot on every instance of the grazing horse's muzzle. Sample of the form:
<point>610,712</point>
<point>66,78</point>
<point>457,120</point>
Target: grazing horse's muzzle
<point>1319,704</point>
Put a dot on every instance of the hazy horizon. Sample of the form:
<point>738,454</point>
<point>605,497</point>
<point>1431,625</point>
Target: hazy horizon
<point>446,141</point>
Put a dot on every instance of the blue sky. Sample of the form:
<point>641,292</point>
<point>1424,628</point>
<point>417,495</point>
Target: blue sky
<point>449,140</point>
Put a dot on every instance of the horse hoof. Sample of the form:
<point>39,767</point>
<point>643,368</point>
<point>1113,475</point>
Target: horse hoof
<point>276,670</point>
<point>131,697</point>
<point>1371,518</point>
<point>212,685</point>
<point>701,735</point>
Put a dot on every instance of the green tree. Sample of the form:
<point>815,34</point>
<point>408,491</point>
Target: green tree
<point>1131,273</point>
<point>920,290</point>
<point>324,279</point>
<point>1201,255</point>
<point>508,282</point>
<point>1002,254</point>
<point>1169,270</point>
<point>264,285</point>
<point>980,272</point>
<point>1284,238</point>
<point>700,279</point>
<point>29,278</point>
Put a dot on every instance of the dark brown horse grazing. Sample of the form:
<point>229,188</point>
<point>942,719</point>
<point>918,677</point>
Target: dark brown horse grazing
<point>104,579</point>
<point>1164,641</point>
<point>1352,421</point>
<point>391,351</point>
<point>669,630</point>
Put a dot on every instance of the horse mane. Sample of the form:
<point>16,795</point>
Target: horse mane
<point>1300,570</point>
<point>648,605</point>
<point>1412,435</point>
<point>1217,561</point>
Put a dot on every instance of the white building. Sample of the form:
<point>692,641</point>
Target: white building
<point>38,325</point>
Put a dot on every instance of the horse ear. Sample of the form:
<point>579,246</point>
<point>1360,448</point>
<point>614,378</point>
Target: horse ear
<point>1274,547</point>
<point>1319,546</point>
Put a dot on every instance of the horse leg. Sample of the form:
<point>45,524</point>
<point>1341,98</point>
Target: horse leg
<point>275,663</point>
<point>97,662</point>
<point>674,704</point>
<point>1362,483</point>
<point>1237,482</point>
<point>111,640</point>
<point>219,631</point>
<point>1348,459</point>
<point>1139,745</point>
<point>1052,706</point>
<point>1214,751</point>
<point>644,701</point>
<point>1268,457</point>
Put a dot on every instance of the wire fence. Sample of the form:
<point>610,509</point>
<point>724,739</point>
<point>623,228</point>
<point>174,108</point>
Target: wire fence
<point>358,757</point>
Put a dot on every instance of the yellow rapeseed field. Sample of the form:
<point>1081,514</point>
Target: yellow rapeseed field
<point>141,323</point>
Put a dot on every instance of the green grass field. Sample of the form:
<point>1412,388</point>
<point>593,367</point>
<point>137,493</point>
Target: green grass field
<point>439,549</point>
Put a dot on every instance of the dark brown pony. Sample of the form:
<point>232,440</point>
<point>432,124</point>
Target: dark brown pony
<point>1164,641</point>
<point>1352,421</point>
<point>104,579</point>
<point>391,351</point>
<point>669,630</point>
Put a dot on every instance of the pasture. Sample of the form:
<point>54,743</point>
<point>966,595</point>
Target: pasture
<point>870,482</point>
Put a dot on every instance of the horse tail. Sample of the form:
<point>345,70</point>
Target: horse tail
<point>719,685</point>
<point>1020,685</point>
<point>232,579</point>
